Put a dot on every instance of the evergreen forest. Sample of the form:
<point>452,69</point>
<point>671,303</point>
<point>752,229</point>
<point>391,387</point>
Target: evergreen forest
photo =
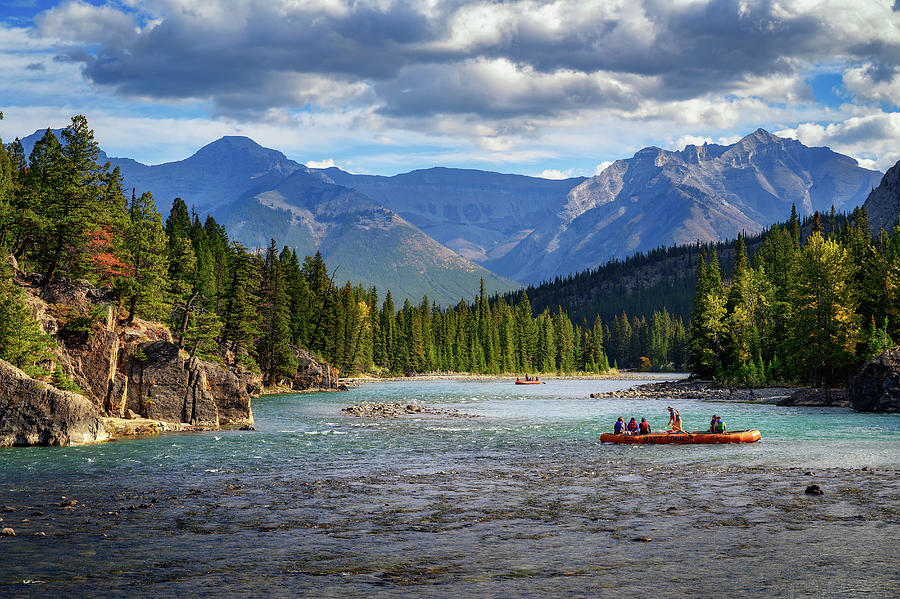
<point>815,299</point>
<point>807,309</point>
<point>63,214</point>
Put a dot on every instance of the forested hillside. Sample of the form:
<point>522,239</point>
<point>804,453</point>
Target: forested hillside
<point>802,310</point>
<point>63,214</point>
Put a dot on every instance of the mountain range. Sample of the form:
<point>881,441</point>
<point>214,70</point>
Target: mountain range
<point>706,193</point>
<point>438,231</point>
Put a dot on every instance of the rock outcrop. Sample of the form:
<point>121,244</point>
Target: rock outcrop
<point>691,389</point>
<point>164,385</point>
<point>230,394</point>
<point>822,398</point>
<point>876,385</point>
<point>133,367</point>
<point>883,204</point>
<point>35,413</point>
<point>313,376</point>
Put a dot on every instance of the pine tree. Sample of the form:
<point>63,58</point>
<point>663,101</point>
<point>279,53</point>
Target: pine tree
<point>708,330</point>
<point>145,250</point>
<point>277,359</point>
<point>794,227</point>
<point>241,317</point>
<point>388,335</point>
<point>22,342</point>
<point>74,205</point>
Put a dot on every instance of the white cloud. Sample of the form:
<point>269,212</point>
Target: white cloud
<point>552,173</point>
<point>871,139</point>
<point>602,167</point>
<point>690,140</point>
<point>327,163</point>
<point>861,83</point>
<point>467,82</point>
<point>78,21</point>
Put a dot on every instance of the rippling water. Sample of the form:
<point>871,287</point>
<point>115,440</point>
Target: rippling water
<point>521,500</point>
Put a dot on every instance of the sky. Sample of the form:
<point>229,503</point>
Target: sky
<point>554,89</point>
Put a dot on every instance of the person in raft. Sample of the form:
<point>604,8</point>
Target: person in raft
<point>675,420</point>
<point>712,424</point>
<point>644,427</point>
<point>720,425</point>
<point>619,429</point>
<point>632,427</point>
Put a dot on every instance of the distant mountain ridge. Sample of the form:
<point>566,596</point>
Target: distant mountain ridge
<point>705,193</point>
<point>479,214</point>
<point>259,194</point>
<point>524,229</point>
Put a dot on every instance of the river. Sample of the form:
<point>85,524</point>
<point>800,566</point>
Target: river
<point>520,500</point>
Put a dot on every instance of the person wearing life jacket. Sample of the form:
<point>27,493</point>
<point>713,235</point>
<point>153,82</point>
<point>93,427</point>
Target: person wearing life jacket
<point>675,420</point>
<point>644,427</point>
<point>632,427</point>
<point>712,424</point>
<point>619,429</point>
<point>720,426</point>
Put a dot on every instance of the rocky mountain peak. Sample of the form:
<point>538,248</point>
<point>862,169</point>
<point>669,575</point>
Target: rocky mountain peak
<point>709,193</point>
<point>883,203</point>
<point>231,146</point>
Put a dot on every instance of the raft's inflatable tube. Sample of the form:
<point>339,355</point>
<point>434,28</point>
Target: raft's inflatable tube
<point>746,436</point>
<point>518,382</point>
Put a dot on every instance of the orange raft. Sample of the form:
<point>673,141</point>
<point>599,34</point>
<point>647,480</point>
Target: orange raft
<point>746,436</point>
<point>521,382</point>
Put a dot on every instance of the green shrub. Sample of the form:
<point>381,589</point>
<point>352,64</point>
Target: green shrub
<point>62,382</point>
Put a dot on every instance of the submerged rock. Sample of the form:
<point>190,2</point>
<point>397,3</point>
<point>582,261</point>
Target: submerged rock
<point>395,410</point>
<point>876,385</point>
<point>35,413</point>
<point>814,490</point>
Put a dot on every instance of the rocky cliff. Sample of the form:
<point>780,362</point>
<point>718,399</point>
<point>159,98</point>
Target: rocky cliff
<point>313,376</point>
<point>132,369</point>
<point>35,413</point>
<point>883,203</point>
<point>876,385</point>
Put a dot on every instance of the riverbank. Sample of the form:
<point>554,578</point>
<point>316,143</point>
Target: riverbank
<point>522,501</point>
<point>462,376</point>
<point>705,390</point>
<point>512,527</point>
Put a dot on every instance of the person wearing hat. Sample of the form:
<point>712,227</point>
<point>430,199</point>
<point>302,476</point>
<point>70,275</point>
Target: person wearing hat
<point>675,420</point>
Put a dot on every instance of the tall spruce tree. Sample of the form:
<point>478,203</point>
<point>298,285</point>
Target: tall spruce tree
<point>241,316</point>
<point>277,359</point>
<point>22,342</point>
<point>145,249</point>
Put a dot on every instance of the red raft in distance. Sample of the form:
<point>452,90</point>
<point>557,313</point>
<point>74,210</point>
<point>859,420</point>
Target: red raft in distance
<point>746,436</point>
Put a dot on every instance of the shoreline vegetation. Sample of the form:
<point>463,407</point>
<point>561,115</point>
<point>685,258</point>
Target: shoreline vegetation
<point>546,377</point>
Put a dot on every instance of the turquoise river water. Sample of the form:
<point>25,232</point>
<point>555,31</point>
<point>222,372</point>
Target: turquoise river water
<point>520,500</point>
